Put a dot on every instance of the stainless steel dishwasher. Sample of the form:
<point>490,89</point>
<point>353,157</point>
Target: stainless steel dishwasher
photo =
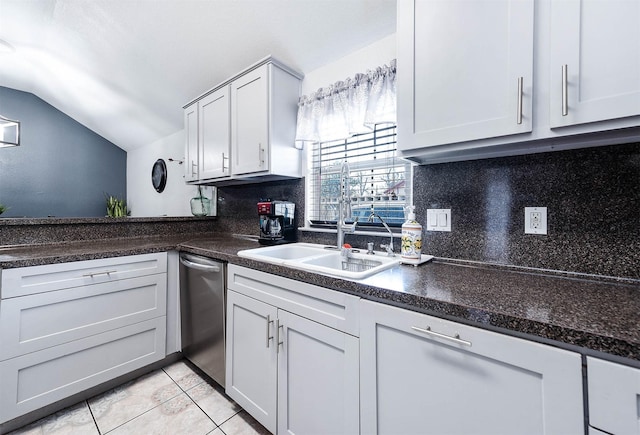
<point>203,301</point>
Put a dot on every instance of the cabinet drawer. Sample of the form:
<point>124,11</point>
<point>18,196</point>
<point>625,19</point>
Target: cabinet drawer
<point>38,321</point>
<point>332,308</point>
<point>37,279</point>
<point>37,379</point>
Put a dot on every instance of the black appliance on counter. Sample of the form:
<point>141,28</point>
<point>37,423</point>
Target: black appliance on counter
<point>276,222</point>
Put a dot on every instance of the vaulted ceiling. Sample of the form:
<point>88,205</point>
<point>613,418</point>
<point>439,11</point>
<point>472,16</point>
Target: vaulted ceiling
<point>125,68</point>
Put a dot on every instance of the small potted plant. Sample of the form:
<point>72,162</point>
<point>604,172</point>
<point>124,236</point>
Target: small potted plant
<point>116,207</point>
<point>3,208</point>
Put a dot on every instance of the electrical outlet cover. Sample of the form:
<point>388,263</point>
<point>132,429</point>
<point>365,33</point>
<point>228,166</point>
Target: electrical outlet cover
<point>535,220</point>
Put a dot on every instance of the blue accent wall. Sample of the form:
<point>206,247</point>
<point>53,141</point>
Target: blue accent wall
<point>61,168</point>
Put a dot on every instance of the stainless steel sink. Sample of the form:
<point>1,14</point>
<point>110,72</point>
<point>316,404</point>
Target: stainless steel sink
<point>340,263</point>
<point>322,259</point>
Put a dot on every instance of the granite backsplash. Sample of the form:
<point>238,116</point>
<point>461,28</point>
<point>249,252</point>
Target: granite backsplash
<point>238,210</point>
<point>592,197</point>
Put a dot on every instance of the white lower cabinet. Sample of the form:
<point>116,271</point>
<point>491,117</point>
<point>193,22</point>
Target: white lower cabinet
<point>31,381</point>
<point>68,327</point>
<point>251,358</point>
<point>292,373</point>
<point>424,375</point>
<point>33,322</point>
<point>318,378</point>
<point>614,397</point>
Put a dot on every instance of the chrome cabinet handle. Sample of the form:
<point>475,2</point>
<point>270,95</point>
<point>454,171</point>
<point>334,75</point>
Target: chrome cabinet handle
<point>456,338</point>
<point>278,326</point>
<point>106,272</point>
<point>565,92</point>
<point>519,115</point>
<point>261,154</point>
<point>224,168</point>
<point>193,171</point>
<point>269,336</point>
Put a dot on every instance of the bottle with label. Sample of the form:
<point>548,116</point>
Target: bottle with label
<point>411,242</point>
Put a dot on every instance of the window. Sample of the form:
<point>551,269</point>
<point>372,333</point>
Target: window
<point>379,181</point>
<point>354,121</point>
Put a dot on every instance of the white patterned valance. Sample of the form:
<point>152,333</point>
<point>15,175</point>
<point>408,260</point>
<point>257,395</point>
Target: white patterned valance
<point>350,107</point>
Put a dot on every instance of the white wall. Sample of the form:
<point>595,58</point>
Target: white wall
<point>142,198</point>
<point>372,56</point>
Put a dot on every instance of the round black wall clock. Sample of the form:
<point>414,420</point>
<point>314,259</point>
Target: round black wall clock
<point>159,175</point>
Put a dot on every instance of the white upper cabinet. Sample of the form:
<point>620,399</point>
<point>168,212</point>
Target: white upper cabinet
<point>264,109</point>
<point>491,78</point>
<point>215,134</point>
<point>191,146</point>
<point>465,70</point>
<point>245,128</point>
<point>250,120</point>
<point>595,61</point>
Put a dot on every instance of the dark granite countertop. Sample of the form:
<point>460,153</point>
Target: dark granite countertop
<point>592,316</point>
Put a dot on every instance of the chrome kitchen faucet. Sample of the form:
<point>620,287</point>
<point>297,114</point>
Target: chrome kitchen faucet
<point>344,206</point>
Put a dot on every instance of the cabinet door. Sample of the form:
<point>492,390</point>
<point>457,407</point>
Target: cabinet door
<point>464,70</point>
<point>249,121</point>
<point>318,385</point>
<point>191,142</point>
<point>614,397</point>
<point>214,135</point>
<point>251,357</point>
<point>414,381</point>
<point>598,42</point>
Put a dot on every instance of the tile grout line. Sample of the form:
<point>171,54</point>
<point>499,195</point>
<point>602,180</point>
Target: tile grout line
<point>148,410</point>
<point>139,415</point>
<point>93,417</point>
<point>217,426</point>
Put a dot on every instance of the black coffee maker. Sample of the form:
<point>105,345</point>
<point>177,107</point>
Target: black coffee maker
<point>276,222</point>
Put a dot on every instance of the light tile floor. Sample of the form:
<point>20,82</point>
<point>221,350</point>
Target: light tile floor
<point>173,400</point>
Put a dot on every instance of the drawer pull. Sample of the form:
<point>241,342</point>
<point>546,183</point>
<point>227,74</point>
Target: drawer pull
<point>106,272</point>
<point>455,339</point>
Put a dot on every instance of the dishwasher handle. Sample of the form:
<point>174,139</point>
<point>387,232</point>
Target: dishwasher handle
<point>192,262</point>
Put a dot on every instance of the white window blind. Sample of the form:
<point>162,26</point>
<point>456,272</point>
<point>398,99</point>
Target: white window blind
<point>379,180</point>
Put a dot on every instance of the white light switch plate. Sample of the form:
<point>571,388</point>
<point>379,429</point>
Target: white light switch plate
<point>439,219</point>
